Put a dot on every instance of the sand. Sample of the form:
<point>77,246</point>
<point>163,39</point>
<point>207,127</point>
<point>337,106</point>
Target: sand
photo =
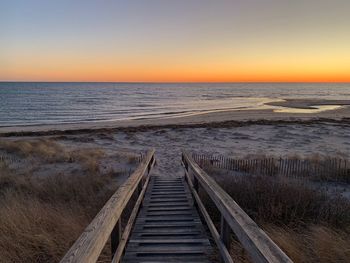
<point>231,133</point>
<point>308,103</point>
<point>206,119</point>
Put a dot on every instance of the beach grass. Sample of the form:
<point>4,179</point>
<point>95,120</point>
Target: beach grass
<point>44,210</point>
<point>40,218</point>
<point>309,225</point>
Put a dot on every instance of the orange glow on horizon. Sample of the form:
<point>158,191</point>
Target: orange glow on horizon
<point>104,72</point>
<point>196,68</point>
<point>175,41</point>
<point>86,74</point>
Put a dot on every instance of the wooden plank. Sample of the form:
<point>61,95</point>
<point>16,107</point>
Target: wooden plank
<point>256,242</point>
<point>116,237</point>
<point>225,233</point>
<point>89,245</point>
<point>219,242</point>
<point>119,252</point>
<point>167,236</point>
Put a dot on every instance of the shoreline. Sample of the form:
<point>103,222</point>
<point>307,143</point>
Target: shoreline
<point>139,126</point>
<point>220,118</point>
<point>307,103</point>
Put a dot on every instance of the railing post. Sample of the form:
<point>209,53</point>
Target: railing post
<point>225,233</point>
<point>195,183</point>
<point>185,165</point>
<point>139,187</point>
<point>116,236</point>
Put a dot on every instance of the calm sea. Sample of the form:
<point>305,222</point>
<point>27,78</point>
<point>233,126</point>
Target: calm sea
<point>47,103</point>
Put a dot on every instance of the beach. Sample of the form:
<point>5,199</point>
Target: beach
<point>54,158</point>
<point>231,133</point>
<point>308,113</point>
<point>175,131</point>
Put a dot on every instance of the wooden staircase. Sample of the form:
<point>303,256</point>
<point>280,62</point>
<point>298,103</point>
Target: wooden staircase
<point>168,227</point>
<point>164,224</point>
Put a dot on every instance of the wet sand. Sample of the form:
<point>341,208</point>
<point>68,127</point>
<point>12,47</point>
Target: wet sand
<point>308,103</point>
<point>224,118</point>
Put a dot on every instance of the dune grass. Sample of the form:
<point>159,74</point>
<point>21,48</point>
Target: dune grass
<point>308,225</point>
<point>40,218</point>
<point>42,148</point>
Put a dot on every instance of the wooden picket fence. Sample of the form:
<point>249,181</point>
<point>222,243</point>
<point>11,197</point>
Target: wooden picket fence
<point>9,159</point>
<point>333,169</point>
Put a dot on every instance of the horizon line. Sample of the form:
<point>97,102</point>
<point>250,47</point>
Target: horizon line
<point>168,82</point>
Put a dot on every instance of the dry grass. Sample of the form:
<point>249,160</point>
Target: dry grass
<point>48,200</point>
<point>42,148</point>
<point>308,225</point>
<point>314,243</point>
<point>50,151</point>
<point>34,231</point>
<point>283,202</point>
<point>88,158</point>
<point>41,217</point>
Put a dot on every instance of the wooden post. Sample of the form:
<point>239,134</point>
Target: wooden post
<point>272,167</point>
<point>255,163</point>
<point>345,169</point>
<point>280,171</point>
<point>290,162</point>
<point>264,166</point>
<point>139,187</point>
<point>195,183</point>
<point>225,233</point>
<point>116,236</point>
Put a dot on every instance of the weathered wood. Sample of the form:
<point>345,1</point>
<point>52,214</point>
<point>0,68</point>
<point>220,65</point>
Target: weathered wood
<point>116,236</point>
<point>327,169</point>
<point>225,255</point>
<point>124,239</point>
<point>259,246</point>
<point>225,233</point>
<point>91,242</point>
<point>195,184</point>
<point>165,235</point>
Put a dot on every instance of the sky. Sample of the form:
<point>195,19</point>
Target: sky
<point>175,40</point>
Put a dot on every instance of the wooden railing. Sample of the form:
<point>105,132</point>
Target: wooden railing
<point>107,222</point>
<point>255,241</point>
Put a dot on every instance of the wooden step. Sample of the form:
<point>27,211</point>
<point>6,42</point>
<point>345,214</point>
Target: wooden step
<point>168,227</point>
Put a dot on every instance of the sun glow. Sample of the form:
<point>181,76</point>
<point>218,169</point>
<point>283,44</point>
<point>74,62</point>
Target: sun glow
<point>226,42</point>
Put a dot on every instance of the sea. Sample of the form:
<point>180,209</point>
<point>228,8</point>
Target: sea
<point>41,103</point>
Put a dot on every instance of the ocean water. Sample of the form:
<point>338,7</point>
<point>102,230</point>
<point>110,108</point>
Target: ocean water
<point>23,103</point>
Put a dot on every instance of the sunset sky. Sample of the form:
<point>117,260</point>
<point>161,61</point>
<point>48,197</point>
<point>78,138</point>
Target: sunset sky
<point>175,40</point>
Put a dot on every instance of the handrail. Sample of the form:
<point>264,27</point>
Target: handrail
<point>88,247</point>
<point>257,243</point>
